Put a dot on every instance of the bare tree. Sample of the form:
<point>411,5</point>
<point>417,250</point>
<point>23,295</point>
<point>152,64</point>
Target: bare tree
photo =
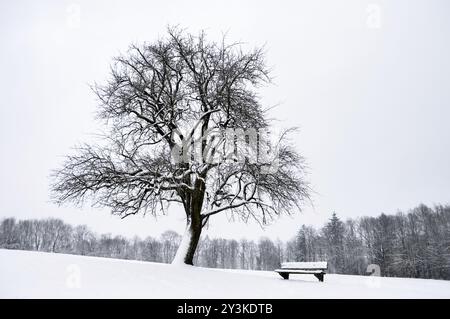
<point>57,234</point>
<point>8,233</point>
<point>83,239</point>
<point>38,234</point>
<point>417,244</point>
<point>184,126</point>
<point>170,241</point>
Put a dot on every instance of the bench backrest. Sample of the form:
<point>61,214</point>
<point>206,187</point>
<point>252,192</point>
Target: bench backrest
<point>305,265</point>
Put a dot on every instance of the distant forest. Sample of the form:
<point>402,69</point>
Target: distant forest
<point>412,244</point>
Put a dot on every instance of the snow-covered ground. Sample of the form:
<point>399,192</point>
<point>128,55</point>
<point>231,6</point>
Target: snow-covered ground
<point>25,274</point>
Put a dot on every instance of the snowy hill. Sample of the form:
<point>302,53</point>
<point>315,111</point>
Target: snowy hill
<point>25,274</point>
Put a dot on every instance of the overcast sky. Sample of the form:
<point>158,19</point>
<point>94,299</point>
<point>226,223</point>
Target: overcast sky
<point>367,82</point>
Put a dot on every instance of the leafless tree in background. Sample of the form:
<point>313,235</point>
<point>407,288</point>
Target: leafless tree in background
<point>174,97</point>
<point>418,244</point>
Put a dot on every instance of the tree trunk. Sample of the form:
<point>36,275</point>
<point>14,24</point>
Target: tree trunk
<point>195,231</point>
<point>186,250</point>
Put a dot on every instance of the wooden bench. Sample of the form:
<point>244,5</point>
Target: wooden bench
<point>315,268</point>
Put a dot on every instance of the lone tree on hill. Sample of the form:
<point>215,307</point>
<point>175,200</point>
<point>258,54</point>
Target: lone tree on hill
<point>185,126</point>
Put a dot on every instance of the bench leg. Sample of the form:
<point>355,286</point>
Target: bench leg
<point>319,276</point>
<point>285,275</point>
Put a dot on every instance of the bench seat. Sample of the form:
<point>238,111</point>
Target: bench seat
<point>318,269</point>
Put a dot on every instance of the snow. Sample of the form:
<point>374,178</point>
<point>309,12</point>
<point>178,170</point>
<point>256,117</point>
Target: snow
<point>25,274</point>
<point>305,265</point>
<point>183,248</point>
<point>296,271</point>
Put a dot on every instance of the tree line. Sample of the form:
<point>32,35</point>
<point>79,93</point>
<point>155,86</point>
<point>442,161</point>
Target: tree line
<point>413,244</point>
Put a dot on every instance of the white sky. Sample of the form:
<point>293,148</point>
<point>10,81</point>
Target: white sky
<point>371,96</point>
